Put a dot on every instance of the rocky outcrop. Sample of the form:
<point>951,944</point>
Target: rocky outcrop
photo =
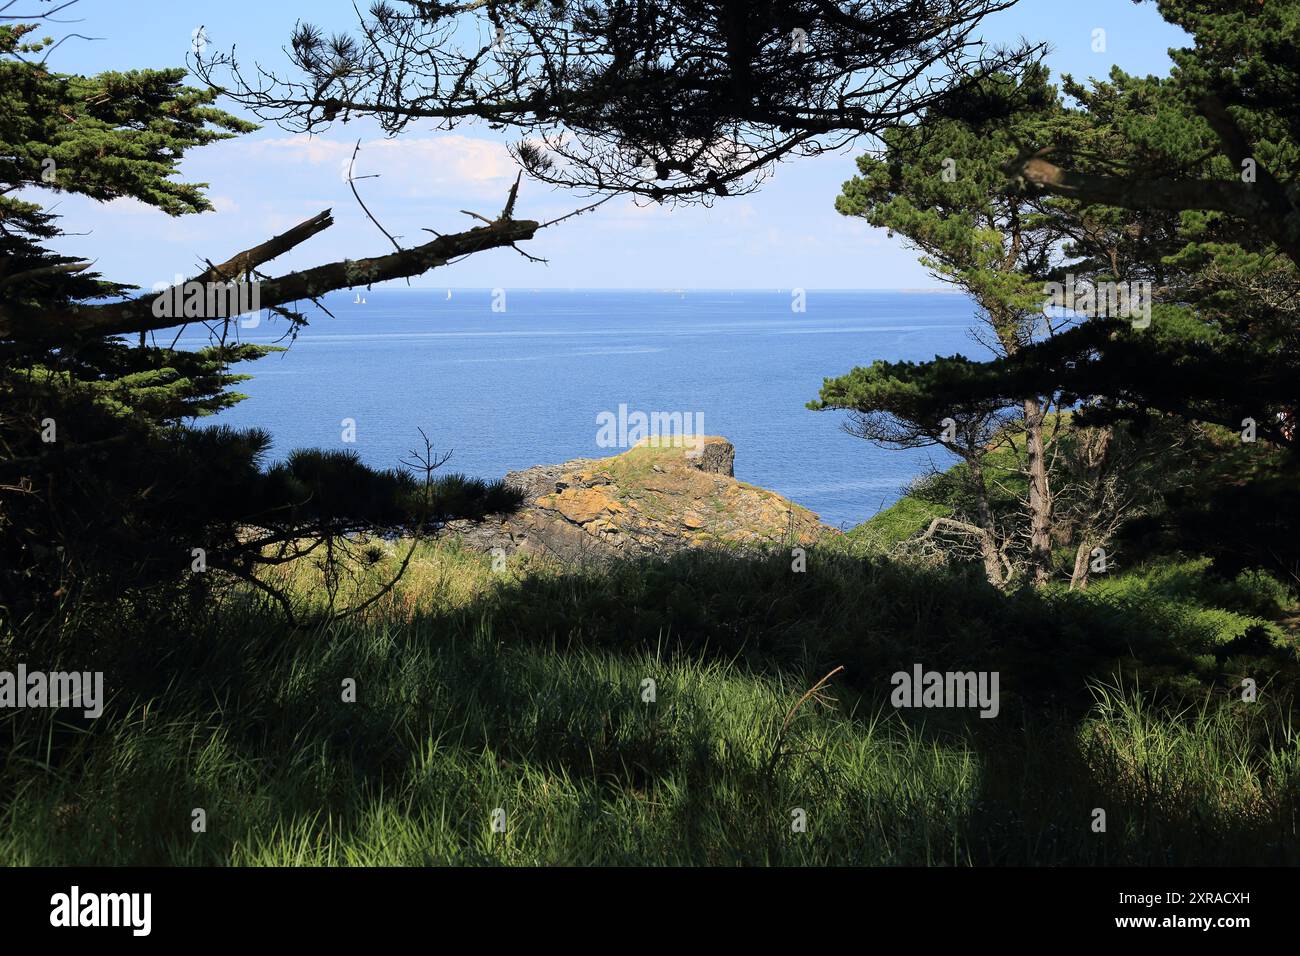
<point>648,500</point>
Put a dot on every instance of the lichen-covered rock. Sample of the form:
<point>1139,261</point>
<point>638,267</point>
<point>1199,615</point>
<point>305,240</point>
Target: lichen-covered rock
<point>648,500</point>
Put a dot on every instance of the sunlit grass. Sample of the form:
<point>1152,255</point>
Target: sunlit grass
<point>527,691</point>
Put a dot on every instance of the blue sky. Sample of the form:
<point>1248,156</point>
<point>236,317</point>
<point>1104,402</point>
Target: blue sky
<point>786,235</point>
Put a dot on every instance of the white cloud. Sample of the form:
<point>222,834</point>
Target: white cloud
<point>443,167</point>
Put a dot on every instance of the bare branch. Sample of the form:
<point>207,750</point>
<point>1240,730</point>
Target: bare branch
<point>137,315</point>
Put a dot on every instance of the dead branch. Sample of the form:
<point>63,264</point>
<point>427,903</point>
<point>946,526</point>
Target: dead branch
<point>137,315</point>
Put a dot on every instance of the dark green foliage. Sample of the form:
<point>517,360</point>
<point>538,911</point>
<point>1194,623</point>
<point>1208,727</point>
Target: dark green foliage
<point>115,509</point>
<point>109,136</point>
<point>1213,151</point>
<point>107,491</point>
<point>1222,346</point>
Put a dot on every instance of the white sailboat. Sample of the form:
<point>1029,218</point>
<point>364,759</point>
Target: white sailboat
<point>448,295</point>
<point>357,300</point>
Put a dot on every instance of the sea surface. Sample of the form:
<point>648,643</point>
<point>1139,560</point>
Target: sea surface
<point>504,390</point>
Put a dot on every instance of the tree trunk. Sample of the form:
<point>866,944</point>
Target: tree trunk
<point>988,540</point>
<point>1040,493</point>
<point>1082,564</point>
<point>1094,451</point>
<point>992,561</point>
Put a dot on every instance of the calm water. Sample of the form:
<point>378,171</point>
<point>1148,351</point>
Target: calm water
<point>506,390</point>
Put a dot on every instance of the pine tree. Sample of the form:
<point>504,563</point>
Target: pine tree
<point>673,101</point>
<point>107,491</point>
<point>1218,135</point>
<point>1215,147</point>
<point>1220,345</point>
<point>941,186</point>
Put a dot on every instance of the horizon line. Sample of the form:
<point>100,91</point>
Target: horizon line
<point>664,289</point>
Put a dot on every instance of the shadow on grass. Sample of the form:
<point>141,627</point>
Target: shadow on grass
<point>533,699</point>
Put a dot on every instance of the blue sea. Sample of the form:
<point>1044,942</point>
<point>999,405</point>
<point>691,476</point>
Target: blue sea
<point>504,390</point>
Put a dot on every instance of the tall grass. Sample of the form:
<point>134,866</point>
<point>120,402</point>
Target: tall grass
<point>526,692</point>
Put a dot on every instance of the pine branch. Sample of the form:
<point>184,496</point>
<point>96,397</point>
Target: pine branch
<point>136,315</point>
<point>1240,199</point>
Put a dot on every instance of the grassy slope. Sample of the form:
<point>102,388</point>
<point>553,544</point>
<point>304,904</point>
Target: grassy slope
<point>524,691</point>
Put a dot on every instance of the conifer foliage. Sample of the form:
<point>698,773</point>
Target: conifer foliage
<point>107,488</point>
<point>1173,198</point>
